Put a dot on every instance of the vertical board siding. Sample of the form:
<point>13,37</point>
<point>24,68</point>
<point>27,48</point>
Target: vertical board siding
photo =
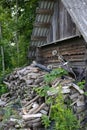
<point>62,24</point>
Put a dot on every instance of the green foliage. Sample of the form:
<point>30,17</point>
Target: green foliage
<point>54,74</point>
<point>42,91</point>
<point>63,116</point>
<point>85,93</point>
<point>81,84</point>
<point>16,23</point>
<point>45,121</point>
<point>3,88</point>
<point>8,113</point>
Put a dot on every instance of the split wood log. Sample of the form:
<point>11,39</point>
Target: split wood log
<point>30,116</point>
<point>80,103</point>
<point>46,108</point>
<point>29,106</point>
<point>33,121</point>
<point>32,110</point>
<point>77,88</point>
<point>43,112</point>
<point>74,96</point>
<point>37,81</point>
<point>34,125</point>
<point>65,90</point>
<point>8,84</point>
<point>79,109</point>
<point>39,108</point>
<point>56,82</point>
<point>34,99</point>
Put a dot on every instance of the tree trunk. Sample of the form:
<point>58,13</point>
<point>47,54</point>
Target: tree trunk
<point>2,51</point>
<point>3,63</point>
<point>17,33</point>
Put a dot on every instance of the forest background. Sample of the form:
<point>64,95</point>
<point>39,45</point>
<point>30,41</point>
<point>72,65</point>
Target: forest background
<point>16,23</point>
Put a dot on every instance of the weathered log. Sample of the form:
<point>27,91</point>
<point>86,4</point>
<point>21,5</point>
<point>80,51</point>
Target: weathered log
<point>43,112</point>
<point>34,99</point>
<point>33,121</point>
<point>30,116</point>
<point>79,109</point>
<point>80,103</point>
<point>77,88</point>
<point>46,108</point>
<point>32,110</point>
<point>75,95</point>
<point>56,83</point>
<point>34,124</point>
<point>39,108</point>
<point>37,81</point>
<point>65,90</point>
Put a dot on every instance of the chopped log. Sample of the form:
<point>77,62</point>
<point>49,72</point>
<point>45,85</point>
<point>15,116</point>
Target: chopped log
<point>34,99</point>
<point>79,109</point>
<point>57,83</point>
<point>31,111</point>
<point>57,80</point>
<point>2,103</point>
<point>30,116</point>
<point>39,108</point>
<point>77,88</point>
<point>80,103</point>
<point>65,91</point>
<point>8,84</point>
<point>36,120</point>
<point>75,95</point>
<point>43,112</point>
<point>46,108</point>
<point>37,81</point>
<point>34,125</point>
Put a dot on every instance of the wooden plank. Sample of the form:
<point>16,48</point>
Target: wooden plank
<point>78,12</point>
<point>42,25</point>
<point>44,11</point>
<point>38,38</point>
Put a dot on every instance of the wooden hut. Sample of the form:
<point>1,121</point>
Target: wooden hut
<point>60,25</point>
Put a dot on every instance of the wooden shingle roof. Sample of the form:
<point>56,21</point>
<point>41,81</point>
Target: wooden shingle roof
<point>78,11</point>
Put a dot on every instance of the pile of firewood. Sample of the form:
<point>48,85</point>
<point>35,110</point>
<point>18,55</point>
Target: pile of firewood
<point>21,84</point>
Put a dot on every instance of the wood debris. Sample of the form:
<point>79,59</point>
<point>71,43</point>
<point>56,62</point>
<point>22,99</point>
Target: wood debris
<point>31,106</point>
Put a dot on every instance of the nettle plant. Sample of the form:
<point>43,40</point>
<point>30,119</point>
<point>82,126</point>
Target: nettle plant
<point>63,115</point>
<point>54,74</point>
<point>81,84</point>
<point>59,113</point>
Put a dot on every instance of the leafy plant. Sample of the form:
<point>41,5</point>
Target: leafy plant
<point>3,88</point>
<point>42,91</point>
<point>81,84</point>
<point>54,74</point>
<point>10,111</point>
<point>49,100</point>
<point>63,116</point>
<point>45,121</point>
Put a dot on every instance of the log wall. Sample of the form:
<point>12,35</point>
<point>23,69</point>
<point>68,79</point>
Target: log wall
<point>72,50</point>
